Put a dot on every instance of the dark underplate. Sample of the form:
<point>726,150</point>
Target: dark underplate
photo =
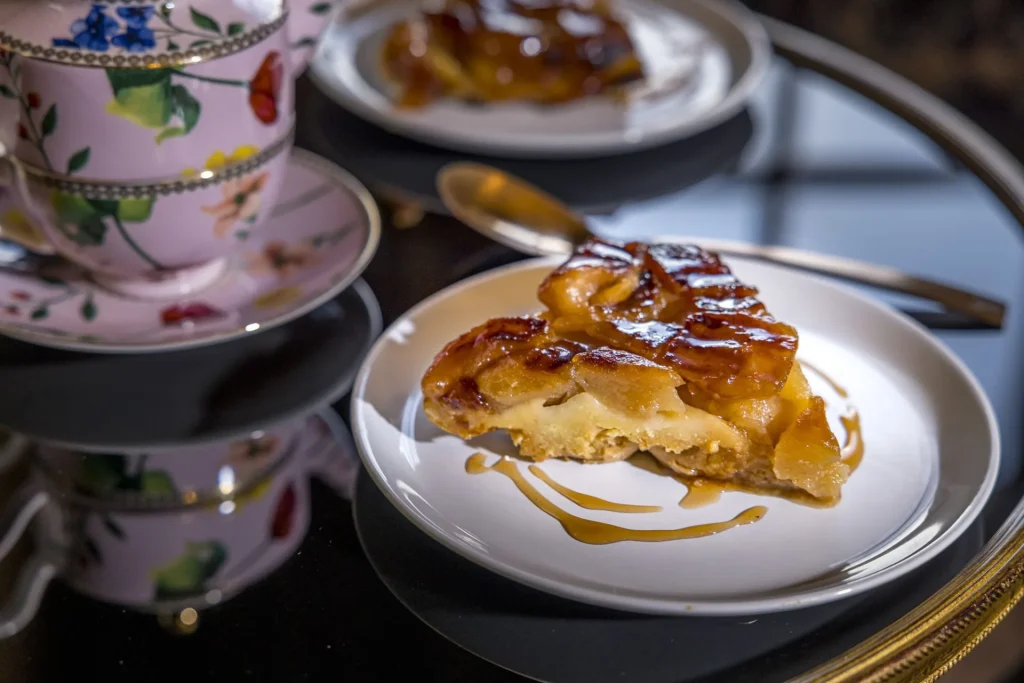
<point>388,162</point>
<point>552,639</point>
<point>144,400</point>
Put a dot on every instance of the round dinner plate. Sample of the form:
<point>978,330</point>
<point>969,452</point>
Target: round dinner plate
<point>930,460</point>
<point>702,59</point>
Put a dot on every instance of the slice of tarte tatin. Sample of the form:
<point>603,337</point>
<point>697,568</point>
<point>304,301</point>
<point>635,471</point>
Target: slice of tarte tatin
<point>545,52</point>
<point>656,348</point>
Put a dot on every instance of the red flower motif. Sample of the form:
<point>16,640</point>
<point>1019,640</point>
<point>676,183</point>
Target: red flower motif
<point>20,295</point>
<point>11,309</point>
<point>265,87</point>
<point>284,514</point>
<point>178,314</point>
<point>22,132</point>
<point>34,100</point>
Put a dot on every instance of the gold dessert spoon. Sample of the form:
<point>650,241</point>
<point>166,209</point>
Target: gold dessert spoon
<point>522,217</point>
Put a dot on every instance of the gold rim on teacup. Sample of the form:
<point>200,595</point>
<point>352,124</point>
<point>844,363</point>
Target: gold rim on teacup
<point>111,189</point>
<point>196,55</point>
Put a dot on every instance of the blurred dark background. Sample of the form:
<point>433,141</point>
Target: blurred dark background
<point>971,54</point>
<point>968,52</point>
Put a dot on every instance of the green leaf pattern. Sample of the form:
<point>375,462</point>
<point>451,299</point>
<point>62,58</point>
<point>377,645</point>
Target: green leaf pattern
<point>78,160</point>
<point>87,309</point>
<point>86,221</point>
<point>204,21</point>
<point>189,574</point>
<point>201,26</point>
<point>50,121</point>
<point>103,474</point>
<point>148,98</point>
<point>35,132</point>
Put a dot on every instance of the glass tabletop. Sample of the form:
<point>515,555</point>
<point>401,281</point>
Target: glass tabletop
<point>810,164</point>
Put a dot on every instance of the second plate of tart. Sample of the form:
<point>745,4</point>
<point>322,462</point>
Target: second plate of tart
<point>543,79</point>
<point>647,428</point>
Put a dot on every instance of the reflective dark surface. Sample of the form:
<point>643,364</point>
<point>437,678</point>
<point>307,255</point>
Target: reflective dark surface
<point>811,164</point>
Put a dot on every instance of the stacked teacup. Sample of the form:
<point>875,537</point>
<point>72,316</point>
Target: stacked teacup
<point>168,529</point>
<point>149,138</point>
<point>146,155</point>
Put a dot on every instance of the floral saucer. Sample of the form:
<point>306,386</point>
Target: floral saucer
<point>320,236</point>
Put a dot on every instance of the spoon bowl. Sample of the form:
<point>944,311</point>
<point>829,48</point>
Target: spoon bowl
<point>510,210</point>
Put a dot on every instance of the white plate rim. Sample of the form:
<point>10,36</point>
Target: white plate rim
<point>722,607</point>
<point>578,146</point>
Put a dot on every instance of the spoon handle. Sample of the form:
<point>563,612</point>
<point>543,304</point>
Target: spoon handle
<point>974,306</point>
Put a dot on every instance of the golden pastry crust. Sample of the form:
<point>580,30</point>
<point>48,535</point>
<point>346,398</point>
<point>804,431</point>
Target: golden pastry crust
<point>644,347</point>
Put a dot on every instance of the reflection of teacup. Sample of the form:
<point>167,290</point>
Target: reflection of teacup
<point>155,240</point>
<point>175,528</point>
<point>171,476</point>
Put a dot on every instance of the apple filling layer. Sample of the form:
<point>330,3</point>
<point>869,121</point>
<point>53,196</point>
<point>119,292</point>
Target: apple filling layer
<point>654,348</point>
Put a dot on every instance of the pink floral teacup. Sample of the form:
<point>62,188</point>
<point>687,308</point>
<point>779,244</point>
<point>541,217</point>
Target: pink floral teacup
<point>148,138</point>
<point>151,240</point>
<point>140,91</point>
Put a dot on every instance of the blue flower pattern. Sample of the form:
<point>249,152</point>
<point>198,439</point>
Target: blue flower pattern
<point>98,31</point>
<point>92,33</point>
<point>137,36</point>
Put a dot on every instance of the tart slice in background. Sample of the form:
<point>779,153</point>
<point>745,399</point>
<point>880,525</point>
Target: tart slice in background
<point>546,52</point>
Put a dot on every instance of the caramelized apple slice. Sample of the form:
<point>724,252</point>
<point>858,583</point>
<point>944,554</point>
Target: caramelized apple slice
<point>808,454</point>
<point>627,382</point>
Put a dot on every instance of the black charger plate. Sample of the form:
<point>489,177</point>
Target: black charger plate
<point>189,396</point>
<point>551,639</point>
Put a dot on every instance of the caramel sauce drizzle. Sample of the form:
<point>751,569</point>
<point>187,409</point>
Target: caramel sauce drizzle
<point>587,501</point>
<point>836,387</point>
<point>853,444</point>
<point>600,533</point>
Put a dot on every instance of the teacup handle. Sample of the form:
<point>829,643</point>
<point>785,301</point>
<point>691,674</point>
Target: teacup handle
<point>30,500</point>
<point>12,451</point>
<point>339,473</point>
<point>26,234</point>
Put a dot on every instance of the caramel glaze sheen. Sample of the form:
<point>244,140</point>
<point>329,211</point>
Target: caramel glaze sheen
<point>676,305</point>
<point>599,533</point>
<point>587,501</point>
<point>542,51</point>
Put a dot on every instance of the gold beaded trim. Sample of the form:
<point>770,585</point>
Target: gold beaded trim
<point>100,189</point>
<point>196,55</point>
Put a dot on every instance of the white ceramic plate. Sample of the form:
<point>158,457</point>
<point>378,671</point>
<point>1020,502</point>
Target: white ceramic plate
<point>930,462</point>
<point>702,58</point>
